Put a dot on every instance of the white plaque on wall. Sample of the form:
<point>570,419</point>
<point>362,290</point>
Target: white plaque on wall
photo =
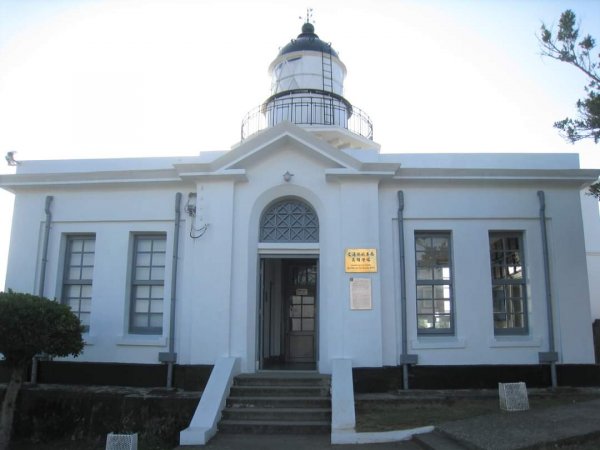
<point>360,293</point>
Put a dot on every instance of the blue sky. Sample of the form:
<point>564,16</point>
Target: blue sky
<point>115,78</point>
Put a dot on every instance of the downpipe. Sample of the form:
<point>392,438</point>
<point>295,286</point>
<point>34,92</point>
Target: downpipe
<point>405,358</point>
<point>47,224</point>
<point>170,357</point>
<point>551,356</point>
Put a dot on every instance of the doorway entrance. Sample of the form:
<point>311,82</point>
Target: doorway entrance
<point>288,314</point>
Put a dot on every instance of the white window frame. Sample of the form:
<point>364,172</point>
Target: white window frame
<point>508,283</point>
<point>80,304</point>
<point>445,283</point>
<point>149,305</point>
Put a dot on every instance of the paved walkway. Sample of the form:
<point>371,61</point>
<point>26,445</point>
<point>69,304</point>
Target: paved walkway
<point>526,429</point>
<point>499,431</point>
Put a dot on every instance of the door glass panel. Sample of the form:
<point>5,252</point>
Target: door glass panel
<point>296,325</point>
<point>308,324</point>
<point>308,311</point>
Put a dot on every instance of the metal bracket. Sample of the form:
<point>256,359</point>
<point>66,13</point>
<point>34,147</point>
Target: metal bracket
<point>167,357</point>
<point>409,359</point>
<point>548,357</point>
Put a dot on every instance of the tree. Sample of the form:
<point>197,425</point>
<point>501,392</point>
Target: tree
<point>564,46</point>
<point>30,325</point>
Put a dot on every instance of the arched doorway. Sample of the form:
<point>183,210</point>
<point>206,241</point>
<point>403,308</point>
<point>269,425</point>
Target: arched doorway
<point>288,286</point>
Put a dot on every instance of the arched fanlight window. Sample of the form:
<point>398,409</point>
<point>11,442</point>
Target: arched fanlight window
<point>289,220</point>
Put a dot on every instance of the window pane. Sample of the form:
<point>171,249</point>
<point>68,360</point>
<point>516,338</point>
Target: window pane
<point>158,291</point>
<point>142,274</point>
<point>158,259</point>
<point>142,291</point>
<point>156,306</point>
<point>85,319</point>
<point>308,300</point>
<point>442,306</point>
<point>88,259</point>
<point>76,245</point>
<point>75,259</point>
<point>143,259</point>
<point>425,307</point>
<point>140,320</point>
<point>425,321</point>
<point>424,274</point>
<point>86,291</point>
<point>73,290</point>
<point>75,273</point>
<point>89,245</point>
<point>296,299</point>
<point>296,311</point>
<point>87,273</point>
<point>442,321</point>
<point>159,245</point>
<point>144,245</point>
<point>424,292</point>
<point>74,304</point>
<point>156,320</point>
<point>141,306</point>
<point>157,273</point>
<point>85,305</point>
<point>500,320</point>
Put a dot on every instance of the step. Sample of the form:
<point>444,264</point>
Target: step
<point>279,391</point>
<point>279,402</point>
<point>271,427</point>
<point>278,414</point>
<point>317,381</point>
<point>436,441</point>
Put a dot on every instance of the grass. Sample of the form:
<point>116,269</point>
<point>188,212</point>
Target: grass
<point>401,413</point>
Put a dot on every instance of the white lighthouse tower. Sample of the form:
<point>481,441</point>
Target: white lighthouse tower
<point>307,89</point>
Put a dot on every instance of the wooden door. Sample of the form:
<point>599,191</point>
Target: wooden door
<point>301,310</point>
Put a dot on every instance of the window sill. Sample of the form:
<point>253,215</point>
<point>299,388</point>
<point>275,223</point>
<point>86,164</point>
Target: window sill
<point>433,342</point>
<point>142,340</point>
<point>515,341</point>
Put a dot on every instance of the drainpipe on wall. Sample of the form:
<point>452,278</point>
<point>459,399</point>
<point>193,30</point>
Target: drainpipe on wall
<point>47,224</point>
<point>551,356</point>
<point>170,357</point>
<point>405,358</point>
<point>49,199</point>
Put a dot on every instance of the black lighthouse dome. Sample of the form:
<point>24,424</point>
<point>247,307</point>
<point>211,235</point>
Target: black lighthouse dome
<point>307,40</point>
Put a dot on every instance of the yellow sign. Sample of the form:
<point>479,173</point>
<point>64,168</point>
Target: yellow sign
<point>361,260</point>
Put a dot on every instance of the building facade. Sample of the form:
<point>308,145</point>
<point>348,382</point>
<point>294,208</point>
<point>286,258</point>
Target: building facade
<point>303,243</point>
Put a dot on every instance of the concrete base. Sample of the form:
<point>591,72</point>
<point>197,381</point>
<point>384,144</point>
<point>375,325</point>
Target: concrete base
<point>352,437</point>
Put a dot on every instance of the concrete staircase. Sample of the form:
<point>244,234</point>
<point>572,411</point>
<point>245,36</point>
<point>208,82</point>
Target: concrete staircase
<point>278,403</point>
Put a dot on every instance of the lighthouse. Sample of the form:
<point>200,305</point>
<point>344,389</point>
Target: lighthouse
<point>307,89</point>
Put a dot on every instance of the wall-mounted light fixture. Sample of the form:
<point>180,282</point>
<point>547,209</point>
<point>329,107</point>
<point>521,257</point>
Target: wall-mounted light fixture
<point>190,206</point>
<point>287,177</point>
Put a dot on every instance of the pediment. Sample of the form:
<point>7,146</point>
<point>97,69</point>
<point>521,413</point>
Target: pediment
<point>286,135</point>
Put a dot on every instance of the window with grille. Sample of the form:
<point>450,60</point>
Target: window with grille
<point>147,284</point>
<point>435,309</point>
<point>509,293</point>
<point>77,277</point>
<point>289,220</point>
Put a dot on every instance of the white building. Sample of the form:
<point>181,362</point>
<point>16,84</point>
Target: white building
<point>303,244</point>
